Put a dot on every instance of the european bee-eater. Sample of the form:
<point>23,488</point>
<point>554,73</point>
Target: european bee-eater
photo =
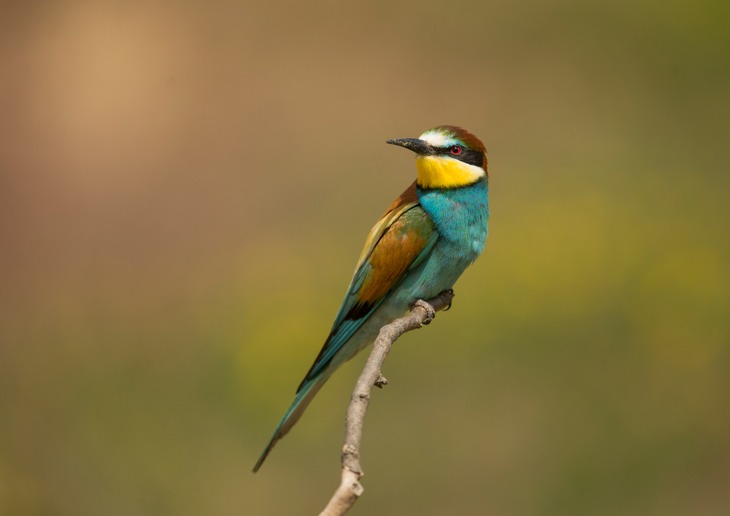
<point>418,249</point>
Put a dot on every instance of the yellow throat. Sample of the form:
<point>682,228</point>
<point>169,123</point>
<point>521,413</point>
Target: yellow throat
<point>445,172</point>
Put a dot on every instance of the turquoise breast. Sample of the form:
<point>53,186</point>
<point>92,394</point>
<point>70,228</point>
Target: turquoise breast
<point>460,216</point>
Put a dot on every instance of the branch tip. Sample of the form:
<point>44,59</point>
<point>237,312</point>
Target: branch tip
<point>430,311</point>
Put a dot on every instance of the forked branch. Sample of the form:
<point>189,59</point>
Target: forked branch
<point>350,488</point>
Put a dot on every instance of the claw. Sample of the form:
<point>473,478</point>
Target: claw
<point>451,292</point>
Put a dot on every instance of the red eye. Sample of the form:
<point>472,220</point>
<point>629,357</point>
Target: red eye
<point>455,150</point>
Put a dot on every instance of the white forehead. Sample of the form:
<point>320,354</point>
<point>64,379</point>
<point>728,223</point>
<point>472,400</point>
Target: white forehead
<point>438,138</point>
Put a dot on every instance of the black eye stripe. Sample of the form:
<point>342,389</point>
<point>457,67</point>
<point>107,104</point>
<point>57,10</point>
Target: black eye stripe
<point>469,156</point>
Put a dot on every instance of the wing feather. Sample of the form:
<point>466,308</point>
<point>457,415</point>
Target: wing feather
<point>401,239</point>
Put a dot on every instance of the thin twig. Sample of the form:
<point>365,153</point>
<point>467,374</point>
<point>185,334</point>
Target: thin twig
<point>350,488</point>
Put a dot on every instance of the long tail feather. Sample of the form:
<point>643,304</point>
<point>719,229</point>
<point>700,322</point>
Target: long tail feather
<point>304,395</point>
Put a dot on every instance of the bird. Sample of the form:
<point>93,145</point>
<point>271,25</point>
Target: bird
<point>420,246</point>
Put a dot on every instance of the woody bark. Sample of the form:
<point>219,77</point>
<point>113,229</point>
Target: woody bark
<point>350,489</point>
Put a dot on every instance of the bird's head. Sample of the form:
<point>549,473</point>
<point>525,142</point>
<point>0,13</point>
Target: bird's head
<point>447,157</point>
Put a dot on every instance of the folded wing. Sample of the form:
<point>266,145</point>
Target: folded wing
<point>401,240</point>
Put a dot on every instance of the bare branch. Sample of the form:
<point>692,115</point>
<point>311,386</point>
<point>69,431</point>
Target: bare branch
<point>350,488</point>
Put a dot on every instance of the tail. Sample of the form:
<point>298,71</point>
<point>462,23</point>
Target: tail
<point>305,394</point>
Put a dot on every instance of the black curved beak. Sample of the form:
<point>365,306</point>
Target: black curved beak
<point>418,146</point>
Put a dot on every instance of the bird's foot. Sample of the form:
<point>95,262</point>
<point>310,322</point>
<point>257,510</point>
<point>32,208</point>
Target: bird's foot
<point>381,381</point>
<point>450,293</point>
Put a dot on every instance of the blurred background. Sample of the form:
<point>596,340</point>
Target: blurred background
<point>185,188</point>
